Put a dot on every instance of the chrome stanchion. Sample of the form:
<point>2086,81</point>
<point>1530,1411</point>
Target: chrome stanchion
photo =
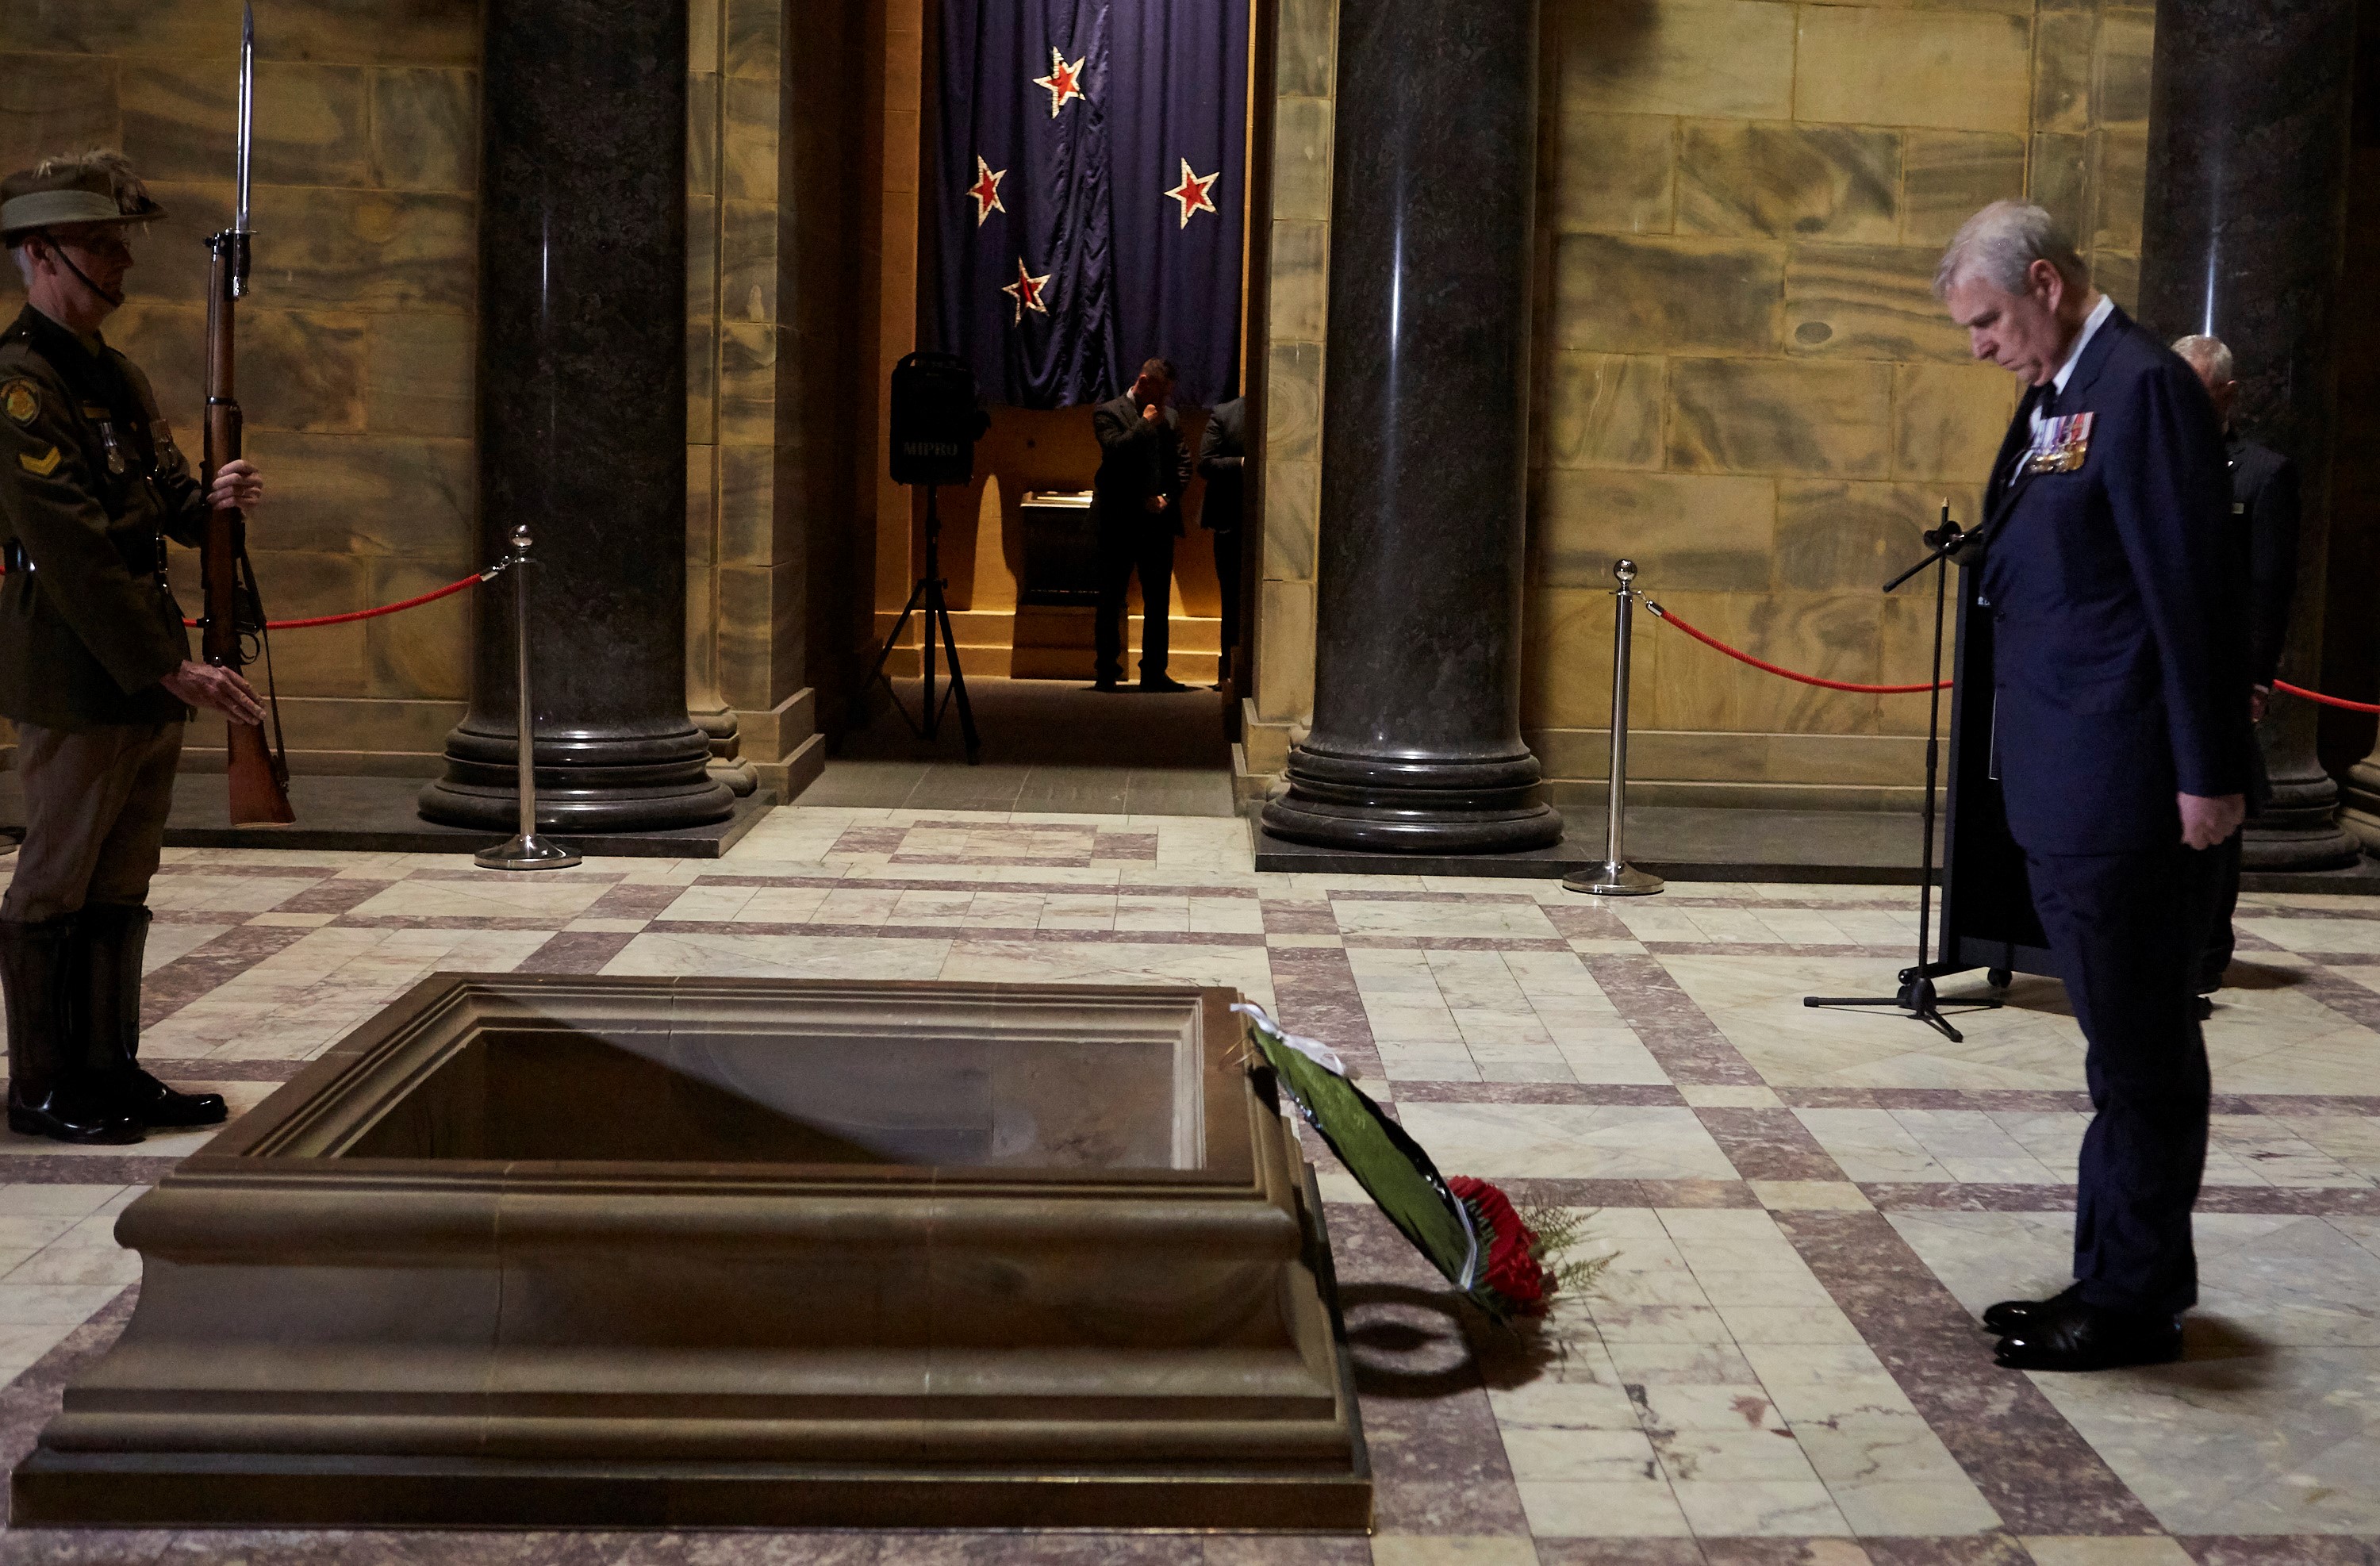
<point>1615,877</point>
<point>527,851</point>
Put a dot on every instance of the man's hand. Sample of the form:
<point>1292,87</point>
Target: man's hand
<point>2259,698</point>
<point>1150,413</point>
<point>218,690</point>
<point>2207,821</point>
<point>237,487</point>
<point>1154,505</point>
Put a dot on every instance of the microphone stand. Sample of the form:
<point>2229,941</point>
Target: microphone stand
<point>1916,994</point>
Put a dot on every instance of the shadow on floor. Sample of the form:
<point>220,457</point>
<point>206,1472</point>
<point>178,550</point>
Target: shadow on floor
<point>1048,746</point>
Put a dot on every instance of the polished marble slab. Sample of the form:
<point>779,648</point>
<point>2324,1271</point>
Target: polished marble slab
<point>1805,1208</point>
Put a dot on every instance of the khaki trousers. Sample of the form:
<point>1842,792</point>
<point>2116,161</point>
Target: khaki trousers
<point>95,806</point>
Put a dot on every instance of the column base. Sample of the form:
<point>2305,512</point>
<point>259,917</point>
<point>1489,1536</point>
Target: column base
<point>1398,806</point>
<point>2299,828</point>
<point>2317,848</point>
<point>2359,814</point>
<point>647,783</point>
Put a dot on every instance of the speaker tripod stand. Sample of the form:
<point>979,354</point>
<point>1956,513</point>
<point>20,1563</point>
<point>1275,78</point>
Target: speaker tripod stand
<point>1917,995</point>
<point>928,597</point>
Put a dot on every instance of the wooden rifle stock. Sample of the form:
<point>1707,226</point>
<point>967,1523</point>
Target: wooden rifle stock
<point>259,779</point>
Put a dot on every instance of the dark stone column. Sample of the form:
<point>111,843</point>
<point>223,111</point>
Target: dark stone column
<point>582,421</point>
<point>2245,216</point>
<point>1416,739</point>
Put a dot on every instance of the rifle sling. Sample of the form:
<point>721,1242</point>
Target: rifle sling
<point>265,643</point>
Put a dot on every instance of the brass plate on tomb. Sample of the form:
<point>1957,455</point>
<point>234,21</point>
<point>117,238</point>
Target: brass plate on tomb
<point>539,1250</point>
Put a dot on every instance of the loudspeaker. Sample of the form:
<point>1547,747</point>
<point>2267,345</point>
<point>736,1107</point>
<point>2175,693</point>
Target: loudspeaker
<point>937,418</point>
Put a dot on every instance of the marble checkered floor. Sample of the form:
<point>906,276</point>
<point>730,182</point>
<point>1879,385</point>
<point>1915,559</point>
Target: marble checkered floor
<point>1781,1364</point>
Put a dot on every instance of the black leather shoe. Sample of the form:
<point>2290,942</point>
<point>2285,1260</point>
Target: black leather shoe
<point>110,937</point>
<point>1159,683</point>
<point>2205,1007</point>
<point>1105,687</point>
<point>2009,1315</point>
<point>157,1106</point>
<point>2085,1337</point>
<point>51,1092</point>
<point>66,1115</point>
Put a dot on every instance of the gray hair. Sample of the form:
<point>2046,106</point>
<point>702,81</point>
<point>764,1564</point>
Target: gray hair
<point>1999,245</point>
<point>2210,357</point>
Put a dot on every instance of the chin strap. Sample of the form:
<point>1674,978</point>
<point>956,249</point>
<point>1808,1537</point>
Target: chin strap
<point>114,301</point>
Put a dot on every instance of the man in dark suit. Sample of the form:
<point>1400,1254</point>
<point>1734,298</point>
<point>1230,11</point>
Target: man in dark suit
<point>1223,458</point>
<point>1136,505</point>
<point>2263,496</point>
<point>2121,743</point>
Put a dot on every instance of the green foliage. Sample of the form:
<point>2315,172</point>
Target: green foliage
<point>1384,1161</point>
<point>1560,1232</point>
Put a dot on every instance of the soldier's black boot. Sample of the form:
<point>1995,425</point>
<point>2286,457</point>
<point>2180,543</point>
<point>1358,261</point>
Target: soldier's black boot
<point>112,937</point>
<point>49,1094</point>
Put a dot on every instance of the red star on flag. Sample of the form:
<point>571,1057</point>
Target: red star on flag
<point>1193,192</point>
<point>985,191</point>
<point>1064,81</point>
<point>1026,292</point>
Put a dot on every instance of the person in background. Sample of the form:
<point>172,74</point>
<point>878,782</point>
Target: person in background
<point>1136,507</point>
<point>2264,509</point>
<point>2119,714</point>
<point>1222,458</point>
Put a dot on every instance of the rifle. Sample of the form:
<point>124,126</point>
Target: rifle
<point>258,778</point>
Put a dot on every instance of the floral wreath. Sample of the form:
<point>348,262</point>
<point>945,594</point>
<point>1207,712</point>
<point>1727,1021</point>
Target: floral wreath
<point>1526,1257</point>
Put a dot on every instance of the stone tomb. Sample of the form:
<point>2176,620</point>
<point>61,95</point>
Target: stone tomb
<point>546,1250</point>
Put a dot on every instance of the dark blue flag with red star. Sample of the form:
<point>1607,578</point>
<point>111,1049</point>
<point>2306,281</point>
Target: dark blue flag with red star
<point>1088,202</point>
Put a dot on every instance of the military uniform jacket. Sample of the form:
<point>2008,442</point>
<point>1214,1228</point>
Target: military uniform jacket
<point>2119,647</point>
<point>90,477</point>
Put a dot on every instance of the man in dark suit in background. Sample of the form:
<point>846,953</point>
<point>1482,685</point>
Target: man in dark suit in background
<point>1223,458</point>
<point>1136,505</point>
<point>2121,743</point>
<point>2263,496</point>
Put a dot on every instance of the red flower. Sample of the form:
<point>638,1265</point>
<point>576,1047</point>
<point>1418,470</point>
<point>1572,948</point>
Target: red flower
<point>1513,1271</point>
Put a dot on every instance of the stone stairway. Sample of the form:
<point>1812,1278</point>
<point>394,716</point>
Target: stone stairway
<point>1038,643</point>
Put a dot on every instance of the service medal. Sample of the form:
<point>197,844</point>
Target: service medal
<point>2060,445</point>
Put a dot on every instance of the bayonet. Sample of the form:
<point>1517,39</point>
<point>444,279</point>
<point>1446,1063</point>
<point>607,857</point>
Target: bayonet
<point>239,228</point>
<point>234,618</point>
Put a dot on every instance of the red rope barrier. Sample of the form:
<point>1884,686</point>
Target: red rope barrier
<point>1742,657</point>
<point>2338,702</point>
<point>366,614</point>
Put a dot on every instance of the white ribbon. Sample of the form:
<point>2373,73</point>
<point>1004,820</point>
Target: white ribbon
<point>1470,1241</point>
<point>1314,1049</point>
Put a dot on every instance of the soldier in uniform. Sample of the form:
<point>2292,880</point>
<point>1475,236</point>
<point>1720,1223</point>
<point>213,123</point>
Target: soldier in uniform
<point>94,663</point>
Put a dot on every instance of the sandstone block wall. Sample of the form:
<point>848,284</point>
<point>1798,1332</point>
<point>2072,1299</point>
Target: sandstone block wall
<point>1743,378</point>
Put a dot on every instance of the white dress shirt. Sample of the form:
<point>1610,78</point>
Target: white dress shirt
<point>2091,324</point>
